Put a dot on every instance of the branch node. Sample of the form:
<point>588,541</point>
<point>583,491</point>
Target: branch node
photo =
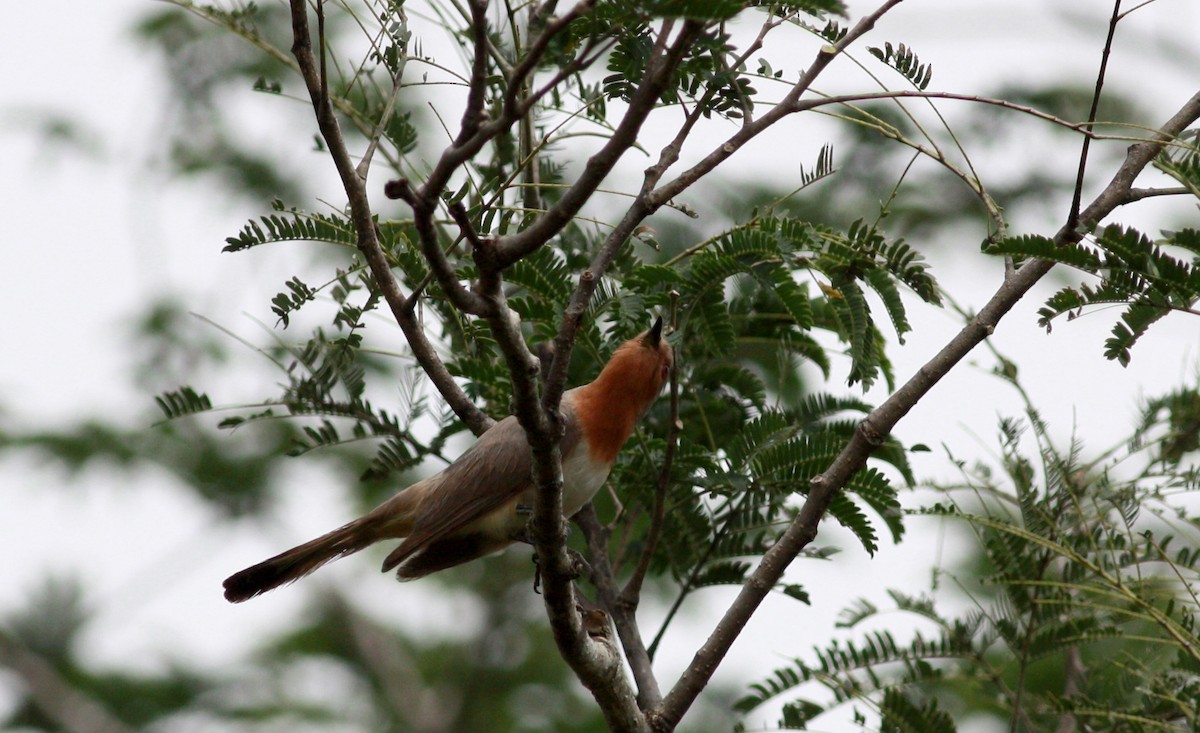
<point>398,188</point>
<point>873,435</point>
<point>463,220</point>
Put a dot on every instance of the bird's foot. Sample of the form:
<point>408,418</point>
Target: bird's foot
<point>577,567</point>
<point>526,510</point>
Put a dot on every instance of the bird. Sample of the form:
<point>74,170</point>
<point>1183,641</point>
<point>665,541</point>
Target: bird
<point>480,503</point>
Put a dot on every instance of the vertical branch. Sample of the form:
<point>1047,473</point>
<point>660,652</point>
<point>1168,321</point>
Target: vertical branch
<point>622,604</point>
<point>315,81</point>
<point>631,594</point>
<point>1077,196</point>
<point>602,576</point>
<point>476,91</point>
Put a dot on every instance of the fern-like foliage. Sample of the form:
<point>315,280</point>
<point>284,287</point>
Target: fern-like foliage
<point>902,59</point>
<point>1087,573</point>
<point>183,401</point>
<point>298,294</point>
<point>1182,161</point>
<point>816,8</point>
<point>1133,271</point>
<point>695,9</point>
<point>902,715</point>
<point>772,249</point>
<point>292,225</point>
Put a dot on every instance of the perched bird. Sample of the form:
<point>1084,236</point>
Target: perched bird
<point>479,503</point>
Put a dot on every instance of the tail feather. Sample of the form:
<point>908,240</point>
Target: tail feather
<point>299,561</point>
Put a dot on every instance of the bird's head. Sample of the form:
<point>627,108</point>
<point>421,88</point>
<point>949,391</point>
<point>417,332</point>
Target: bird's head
<point>639,367</point>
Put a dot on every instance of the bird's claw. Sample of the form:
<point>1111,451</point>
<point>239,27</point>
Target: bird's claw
<point>577,567</point>
<point>526,510</point>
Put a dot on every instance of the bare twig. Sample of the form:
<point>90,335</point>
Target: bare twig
<point>1077,196</point>
<point>477,89</point>
<point>364,165</point>
<point>424,209</point>
<point>1137,194</point>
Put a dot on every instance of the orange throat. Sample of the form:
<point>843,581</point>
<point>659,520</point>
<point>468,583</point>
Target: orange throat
<point>608,409</point>
<point>606,417</point>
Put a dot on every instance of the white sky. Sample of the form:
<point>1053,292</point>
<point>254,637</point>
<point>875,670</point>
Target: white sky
<point>87,239</point>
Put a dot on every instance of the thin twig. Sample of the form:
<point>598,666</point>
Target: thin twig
<point>1137,194</point>
<point>1077,195</point>
<point>631,594</point>
<point>364,165</point>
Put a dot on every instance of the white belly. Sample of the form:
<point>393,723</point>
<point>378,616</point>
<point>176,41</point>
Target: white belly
<point>582,478</point>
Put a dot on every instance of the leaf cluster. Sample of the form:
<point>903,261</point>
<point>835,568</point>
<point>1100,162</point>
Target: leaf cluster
<point>1087,607</point>
<point>1147,278</point>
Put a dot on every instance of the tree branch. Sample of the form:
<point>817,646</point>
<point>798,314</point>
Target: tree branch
<point>878,424</point>
<point>747,132</point>
<point>1077,197</point>
<point>649,696</point>
<point>476,131</point>
<point>660,69</point>
<point>364,227</point>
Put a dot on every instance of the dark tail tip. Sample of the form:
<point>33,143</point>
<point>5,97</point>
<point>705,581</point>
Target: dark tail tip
<point>253,581</point>
<point>297,562</point>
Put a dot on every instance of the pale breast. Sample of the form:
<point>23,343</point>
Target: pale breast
<point>582,478</point>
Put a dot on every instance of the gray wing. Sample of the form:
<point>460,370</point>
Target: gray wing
<point>493,471</point>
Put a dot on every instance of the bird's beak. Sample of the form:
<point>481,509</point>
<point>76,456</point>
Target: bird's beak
<point>654,335</point>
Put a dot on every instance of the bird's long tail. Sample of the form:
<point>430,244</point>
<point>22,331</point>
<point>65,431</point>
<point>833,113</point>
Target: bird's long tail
<point>299,561</point>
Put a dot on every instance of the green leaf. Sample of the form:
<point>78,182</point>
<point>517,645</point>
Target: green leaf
<point>182,401</point>
<point>851,517</point>
<point>902,59</point>
<point>817,8</point>
<point>794,590</point>
<point>284,304</point>
<point>293,226</point>
<point>725,572</point>
<point>901,715</point>
<point>711,319</point>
